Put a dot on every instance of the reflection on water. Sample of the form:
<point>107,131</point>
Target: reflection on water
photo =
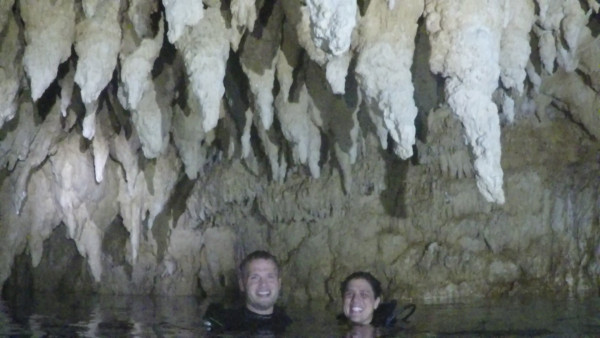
<point>140,316</point>
<point>102,316</point>
<point>512,317</point>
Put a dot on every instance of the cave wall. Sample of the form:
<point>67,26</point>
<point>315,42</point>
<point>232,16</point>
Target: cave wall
<point>451,148</point>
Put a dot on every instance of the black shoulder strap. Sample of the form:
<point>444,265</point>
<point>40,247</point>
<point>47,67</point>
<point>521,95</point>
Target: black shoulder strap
<point>387,315</point>
<point>407,311</point>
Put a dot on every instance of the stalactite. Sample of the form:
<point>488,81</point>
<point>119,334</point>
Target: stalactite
<point>140,14</point>
<point>83,208</point>
<point>15,146</point>
<point>43,220</point>
<point>46,137</point>
<point>189,138</point>
<point>205,50</point>
<point>165,173</point>
<point>275,155</point>
<point>515,50</point>
<point>298,23</point>
<point>296,124</point>
<point>10,47</point>
<point>67,83</point>
<point>337,70</point>
<point>97,45</point>
<point>138,95</point>
<point>49,33</point>
<point>243,13</point>
<point>181,14</point>
<point>258,59</point>
<point>383,69</point>
<point>100,144</point>
<point>136,68</point>
<point>131,209</point>
<point>466,50</point>
<point>331,23</point>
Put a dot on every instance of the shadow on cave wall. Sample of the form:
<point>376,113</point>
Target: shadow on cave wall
<point>114,244</point>
<point>17,290</point>
<point>428,95</point>
<point>62,272</point>
<point>393,198</point>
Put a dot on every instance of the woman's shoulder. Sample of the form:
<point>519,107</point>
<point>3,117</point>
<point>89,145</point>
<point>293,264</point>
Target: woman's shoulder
<point>388,314</point>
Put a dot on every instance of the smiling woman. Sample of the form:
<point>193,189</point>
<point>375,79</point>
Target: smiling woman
<point>362,295</point>
<point>363,307</point>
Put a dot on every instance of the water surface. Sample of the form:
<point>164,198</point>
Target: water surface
<point>144,316</point>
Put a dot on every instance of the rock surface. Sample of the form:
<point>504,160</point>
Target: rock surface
<point>449,147</point>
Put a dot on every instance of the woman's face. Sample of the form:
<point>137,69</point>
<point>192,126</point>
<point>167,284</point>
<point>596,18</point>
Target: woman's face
<point>360,301</point>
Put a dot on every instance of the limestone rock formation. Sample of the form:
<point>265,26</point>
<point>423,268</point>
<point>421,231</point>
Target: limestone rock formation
<point>449,147</point>
<point>10,50</point>
<point>49,35</point>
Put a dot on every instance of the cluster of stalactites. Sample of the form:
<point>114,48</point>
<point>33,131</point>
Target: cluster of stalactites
<point>110,34</point>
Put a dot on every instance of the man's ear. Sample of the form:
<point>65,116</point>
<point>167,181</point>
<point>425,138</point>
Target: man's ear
<point>376,304</point>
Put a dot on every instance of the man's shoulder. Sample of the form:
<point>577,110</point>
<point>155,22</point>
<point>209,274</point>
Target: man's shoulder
<point>279,315</point>
<point>217,317</point>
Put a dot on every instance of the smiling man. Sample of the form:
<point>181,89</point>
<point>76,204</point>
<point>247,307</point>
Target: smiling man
<point>260,282</point>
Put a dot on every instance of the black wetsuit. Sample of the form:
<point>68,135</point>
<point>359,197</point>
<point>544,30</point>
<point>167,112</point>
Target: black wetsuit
<point>219,319</point>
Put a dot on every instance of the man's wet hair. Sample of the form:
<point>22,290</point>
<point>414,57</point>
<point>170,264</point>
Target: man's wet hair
<point>258,254</point>
<point>375,284</point>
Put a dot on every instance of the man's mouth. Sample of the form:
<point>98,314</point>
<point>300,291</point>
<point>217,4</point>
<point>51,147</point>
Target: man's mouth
<point>264,293</point>
<point>356,309</point>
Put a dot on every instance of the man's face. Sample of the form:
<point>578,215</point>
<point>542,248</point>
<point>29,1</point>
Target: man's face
<point>360,301</point>
<point>261,285</point>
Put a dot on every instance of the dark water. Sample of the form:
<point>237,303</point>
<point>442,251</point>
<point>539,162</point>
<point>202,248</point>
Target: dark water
<point>127,316</point>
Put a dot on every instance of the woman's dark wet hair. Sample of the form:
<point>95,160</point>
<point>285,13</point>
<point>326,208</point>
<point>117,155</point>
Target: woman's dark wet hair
<point>258,254</point>
<point>375,284</point>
